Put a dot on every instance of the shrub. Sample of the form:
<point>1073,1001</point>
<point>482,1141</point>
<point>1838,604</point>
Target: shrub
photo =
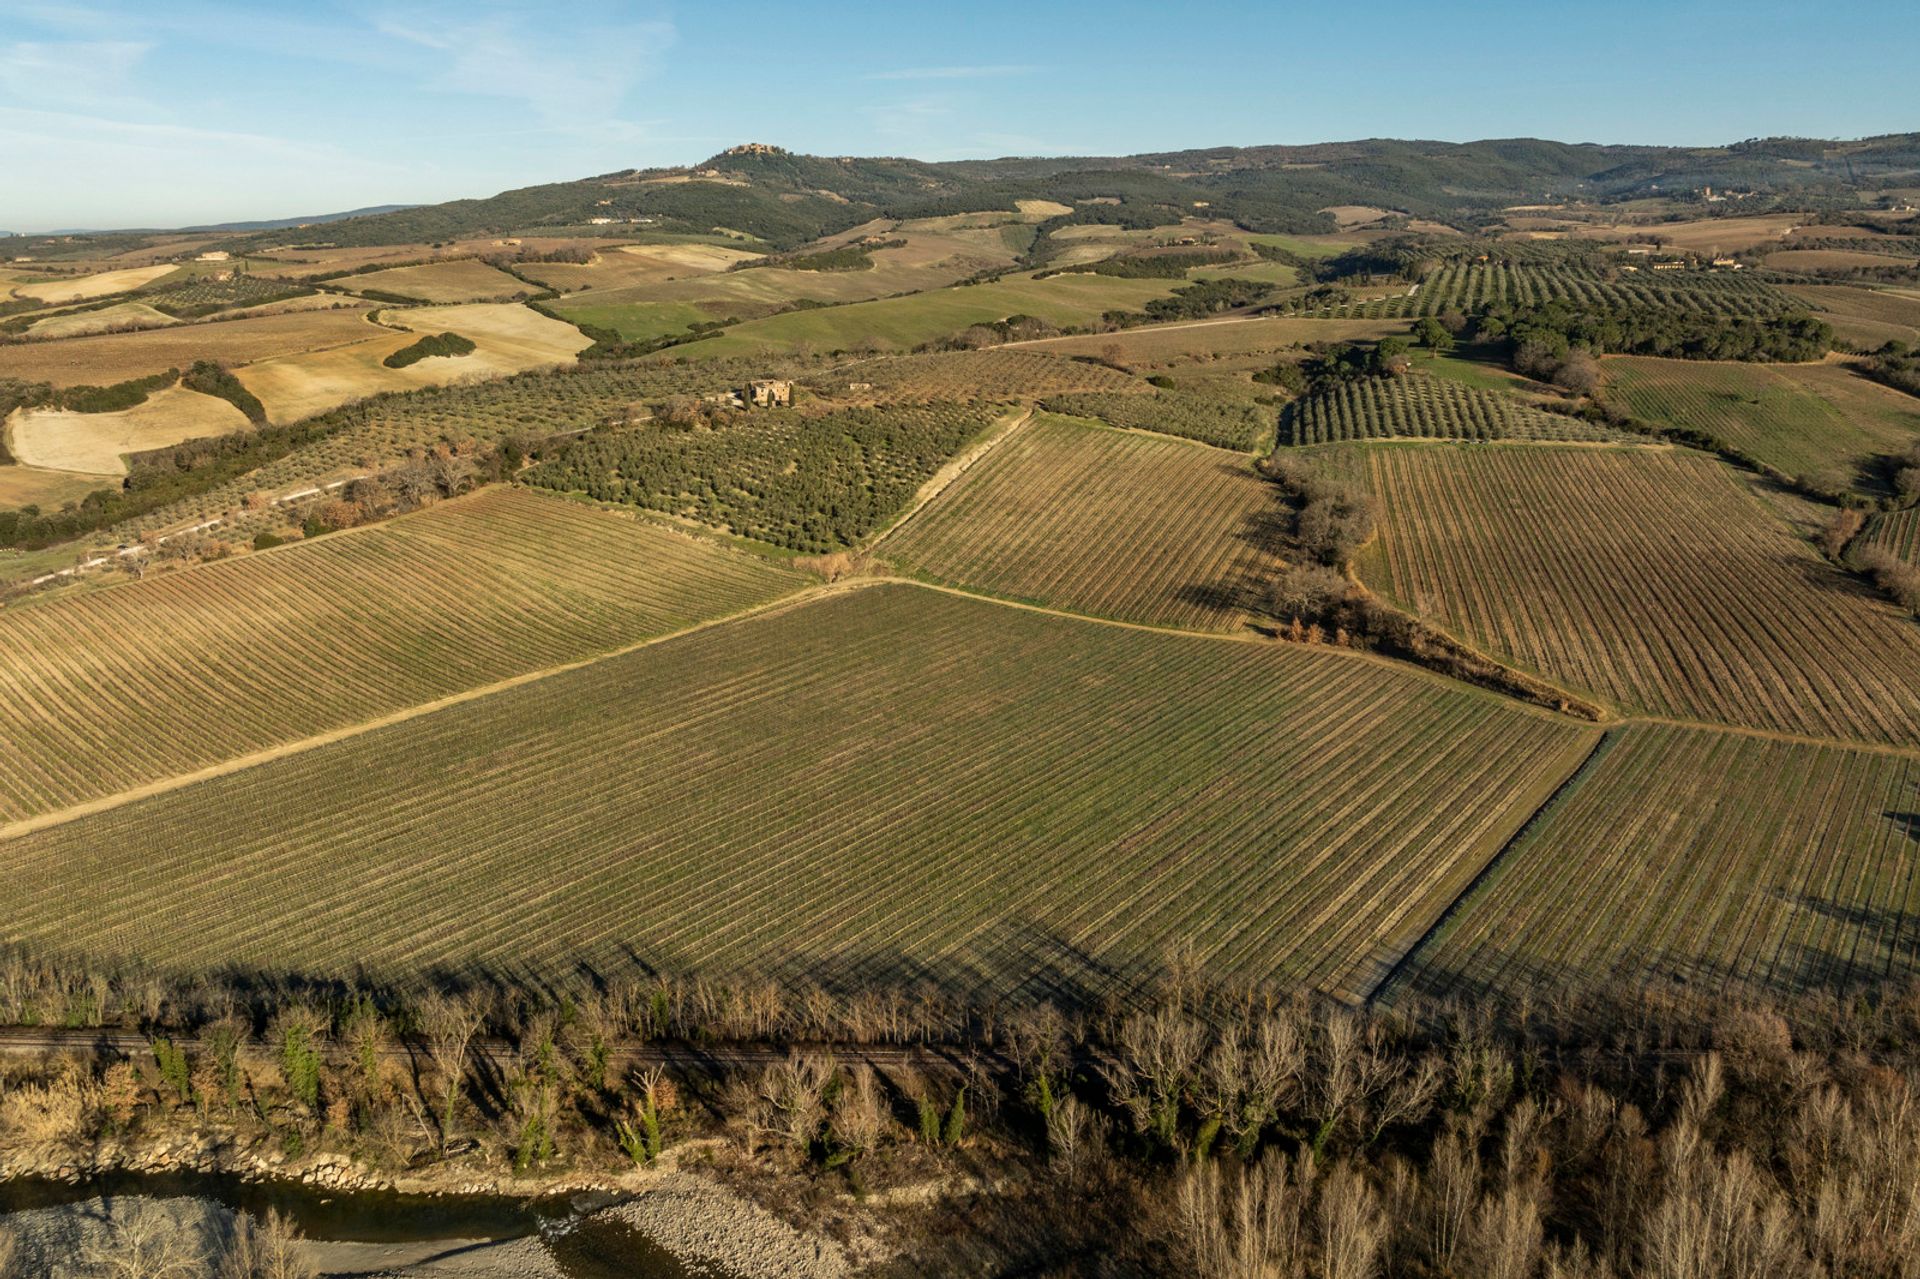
<point>210,378</point>
<point>435,344</point>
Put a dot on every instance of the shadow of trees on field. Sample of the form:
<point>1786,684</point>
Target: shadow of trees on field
<point>1266,531</point>
<point>1871,947</point>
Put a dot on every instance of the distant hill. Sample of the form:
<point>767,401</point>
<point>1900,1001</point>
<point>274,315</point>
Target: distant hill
<point>281,224</point>
<point>786,199</point>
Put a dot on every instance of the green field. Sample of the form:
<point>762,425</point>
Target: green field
<point>1111,523</point>
<point>1688,857</point>
<point>888,784</point>
<point>125,686</point>
<point>904,323</point>
<point>1895,531</point>
<point>634,321</point>
<point>1219,414</point>
<point>1821,422</point>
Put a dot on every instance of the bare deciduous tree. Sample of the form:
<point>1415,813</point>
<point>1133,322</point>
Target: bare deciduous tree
<point>450,1023</point>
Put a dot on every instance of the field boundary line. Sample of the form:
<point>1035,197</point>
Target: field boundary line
<point>1769,735</point>
<point>1243,636</point>
<point>240,763</point>
<point>1100,424</point>
<point>1480,877</point>
<point>949,475</point>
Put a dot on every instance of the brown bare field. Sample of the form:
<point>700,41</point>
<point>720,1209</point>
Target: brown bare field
<point>1862,316</point>
<point>631,265</point>
<point>1110,523</point>
<point>1686,855</point>
<point>1830,260</point>
<point>92,443</point>
<point>48,490</point>
<point>1041,210</point>
<point>510,338</point>
<point>108,358</point>
<point>1173,343</point>
<point>81,288</point>
<point>1651,578</point>
<point>930,259</point>
<point>1348,216</point>
<point>300,263</point>
<point>1702,235</point>
<point>112,319</point>
<point>458,280</point>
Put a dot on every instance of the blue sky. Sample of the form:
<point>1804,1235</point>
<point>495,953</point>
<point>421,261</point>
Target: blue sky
<point>172,112</point>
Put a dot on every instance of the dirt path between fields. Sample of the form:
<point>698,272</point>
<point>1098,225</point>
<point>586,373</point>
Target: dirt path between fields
<point>957,466</point>
<point>810,594</point>
<point>59,817</point>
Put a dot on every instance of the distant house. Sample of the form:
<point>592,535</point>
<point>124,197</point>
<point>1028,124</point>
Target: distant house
<point>769,393</point>
<point>599,221</point>
<point>212,255</point>
<point>1730,264</point>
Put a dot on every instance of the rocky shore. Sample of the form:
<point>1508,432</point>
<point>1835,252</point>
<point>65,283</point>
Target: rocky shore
<point>709,1228</point>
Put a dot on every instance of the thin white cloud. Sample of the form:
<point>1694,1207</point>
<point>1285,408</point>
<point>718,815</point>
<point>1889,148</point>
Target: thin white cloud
<point>68,169</point>
<point>951,73</point>
<point>558,75</point>
<point>70,73</point>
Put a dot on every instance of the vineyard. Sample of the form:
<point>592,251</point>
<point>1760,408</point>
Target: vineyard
<point>1690,856</point>
<point>119,687</point>
<point>1651,578</point>
<point>1466,286</point>
<point>1377,408</point>
<point>808,482</point>
<point>1821,422</point>
<point>1218,419</point>
<point>1101,522</point>
<point>887,784</point>
<point>1897,532</point>
<point>996,373</point>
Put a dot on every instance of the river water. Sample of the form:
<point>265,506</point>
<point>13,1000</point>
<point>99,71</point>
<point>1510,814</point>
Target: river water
<point>583,1246</point>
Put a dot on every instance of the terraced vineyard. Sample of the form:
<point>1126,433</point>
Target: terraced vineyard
<point>1651,578</point>
<point>805,481</point>
<point>1425,407</point>
<point>1103,522</point>
<point>1219,419</point>
<point>1466,286</point>
<point>992,374</point>
<point>1821,422</point>
<point>1895,531</point>
<point>110,690</point>
<point>889,783</point>
<point>1714,859</point>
